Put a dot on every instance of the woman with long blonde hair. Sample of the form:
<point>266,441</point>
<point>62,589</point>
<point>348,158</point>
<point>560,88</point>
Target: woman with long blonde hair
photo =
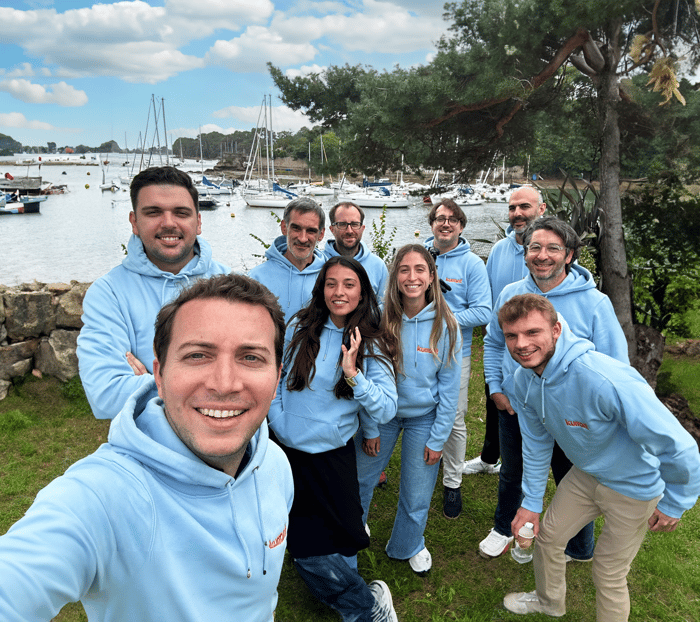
<point>426,348</point>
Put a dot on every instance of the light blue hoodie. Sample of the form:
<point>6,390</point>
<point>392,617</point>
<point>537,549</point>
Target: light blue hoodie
<point>427,385</point>
<point>589,312</point>
<point>119,315</point>
<point>291,286</point>
<point>376,269</point>
<point>506,264</point>
<point>143,530</point>
<point>314,420</point>
<point>609,423</point>
<point>470,297</point>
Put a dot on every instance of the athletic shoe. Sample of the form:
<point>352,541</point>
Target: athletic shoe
<point>383,610</point>
<point>575,559</point>
<point>477,465</point>
<point>452,503</point>
<point>421,562</point>
<point>369,534</point>
<point>494,544</point>
<point>526,602</point>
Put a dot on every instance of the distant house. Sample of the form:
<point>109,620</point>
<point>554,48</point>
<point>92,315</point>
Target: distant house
<point>68,150</point>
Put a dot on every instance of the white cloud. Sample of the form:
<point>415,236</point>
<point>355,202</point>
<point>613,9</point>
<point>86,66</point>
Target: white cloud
<point>304,70</point>
<point>61,93</point>
<point>283,118</point>
<point>23,70</point>
<point>18,120</point>
<point>255,47</point>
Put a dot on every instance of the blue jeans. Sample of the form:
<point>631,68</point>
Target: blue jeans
<point>510,494</point>
<point>331,579</point>
<point>417,480</point>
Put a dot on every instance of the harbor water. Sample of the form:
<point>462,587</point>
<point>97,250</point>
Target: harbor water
<point>81,235</point>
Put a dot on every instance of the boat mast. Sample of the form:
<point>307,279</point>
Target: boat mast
<point>165,131</point>
<point>272,143</point>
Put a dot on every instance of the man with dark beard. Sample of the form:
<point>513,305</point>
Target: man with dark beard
<point>505,265</point>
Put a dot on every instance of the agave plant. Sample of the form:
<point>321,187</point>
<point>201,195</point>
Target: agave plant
<point>582,211</point>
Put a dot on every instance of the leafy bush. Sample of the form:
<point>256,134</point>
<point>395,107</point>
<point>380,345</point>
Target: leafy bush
<point>661,222</point>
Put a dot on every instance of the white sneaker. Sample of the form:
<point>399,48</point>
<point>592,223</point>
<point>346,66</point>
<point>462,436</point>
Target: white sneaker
<point>421,562</point>
<point>477,465</point>
<point>369,533</point>
<point>526,602</point>
<point>494,544</point>
<point>383,610</point>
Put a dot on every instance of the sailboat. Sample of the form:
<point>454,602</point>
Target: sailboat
<point>259,191</point>
<point>319,190</point>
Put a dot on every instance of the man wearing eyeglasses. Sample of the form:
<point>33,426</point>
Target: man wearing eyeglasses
<point>505,265</point>
<point>551,248</point>
<point>469,298</point>
<point>347,226</point>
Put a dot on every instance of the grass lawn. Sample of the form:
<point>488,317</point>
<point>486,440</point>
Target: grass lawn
<point>46,426</point>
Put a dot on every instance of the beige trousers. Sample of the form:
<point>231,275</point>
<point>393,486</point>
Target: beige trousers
<point>579,499</point>
<point>455,448</point>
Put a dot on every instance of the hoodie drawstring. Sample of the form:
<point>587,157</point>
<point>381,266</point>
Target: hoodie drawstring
<point>235,525</point>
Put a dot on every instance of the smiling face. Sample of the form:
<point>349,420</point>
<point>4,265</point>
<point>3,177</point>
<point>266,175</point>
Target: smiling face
<point>523,207</point>
<point>219,378</point>
<point>414,279</point>
<point>302,232</point>
<point>342,292</point>
<point>347,242</point>
<point>546,264</point>
<point>167,223</point>
<point>531,340</point>
<point>446,235</point>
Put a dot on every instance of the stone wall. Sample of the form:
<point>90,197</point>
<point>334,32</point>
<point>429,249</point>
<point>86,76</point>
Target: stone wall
<point>39,326</point>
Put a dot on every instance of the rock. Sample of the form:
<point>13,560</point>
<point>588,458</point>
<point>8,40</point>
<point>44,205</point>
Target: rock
<point>29,314</point>
<point>650,352</point>
<point>678,405</point>
<point>4,388</point>
<point>15,353</point>
<point>690,347</point>
<point>58,289</point>
<point>70,307</point>
<point>2,310</point>
<point>56,355</point>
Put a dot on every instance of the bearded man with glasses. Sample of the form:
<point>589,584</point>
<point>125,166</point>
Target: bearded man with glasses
<point>551,248</point>
<point>347,226</point>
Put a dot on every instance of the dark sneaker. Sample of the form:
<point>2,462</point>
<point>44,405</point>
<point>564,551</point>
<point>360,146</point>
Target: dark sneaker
<point>452,503</point>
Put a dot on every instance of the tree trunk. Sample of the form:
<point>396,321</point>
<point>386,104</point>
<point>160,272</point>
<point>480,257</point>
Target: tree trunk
<point>616,279</point>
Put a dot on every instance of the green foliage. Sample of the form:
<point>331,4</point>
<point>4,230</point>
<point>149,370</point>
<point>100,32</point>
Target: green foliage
<point>661,221</point>
<point>382,239</point>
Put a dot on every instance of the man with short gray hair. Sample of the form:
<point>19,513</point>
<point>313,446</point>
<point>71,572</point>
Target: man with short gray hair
<point>293,262</point>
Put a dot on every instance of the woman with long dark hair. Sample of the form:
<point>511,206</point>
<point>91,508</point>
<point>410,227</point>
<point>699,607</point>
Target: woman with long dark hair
<point>336,366</point>
<point>427,354</point>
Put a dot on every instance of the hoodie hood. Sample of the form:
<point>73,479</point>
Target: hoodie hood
<point>331,250</point>
<point>578,280</point>
<point>142,431</point>
<point>137,261</point>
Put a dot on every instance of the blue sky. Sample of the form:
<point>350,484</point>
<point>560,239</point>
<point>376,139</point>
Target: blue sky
<point>75,72</point>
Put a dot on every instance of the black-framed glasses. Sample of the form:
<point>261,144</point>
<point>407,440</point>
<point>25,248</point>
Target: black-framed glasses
<point>355,226</point>
<point>440,220</point>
